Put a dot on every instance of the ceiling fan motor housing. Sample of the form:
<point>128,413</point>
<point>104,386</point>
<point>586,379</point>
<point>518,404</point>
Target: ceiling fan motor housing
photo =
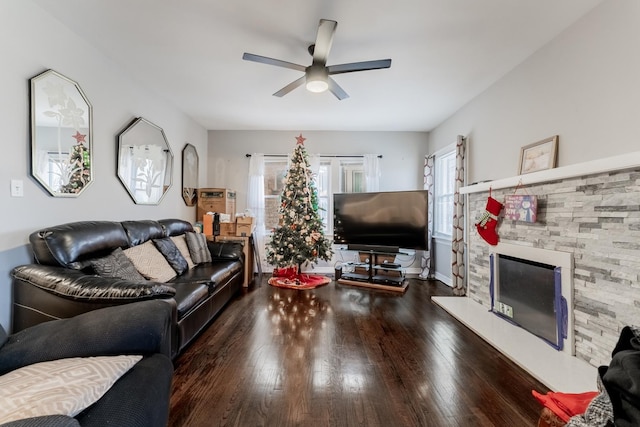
<point>316,78</point>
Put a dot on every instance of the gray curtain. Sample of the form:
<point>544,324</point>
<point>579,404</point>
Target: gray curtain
<point>458,277</point>
<point>427,265</point>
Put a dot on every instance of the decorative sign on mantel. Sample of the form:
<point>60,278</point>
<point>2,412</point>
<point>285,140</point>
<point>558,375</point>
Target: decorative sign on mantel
<point>521,207</point>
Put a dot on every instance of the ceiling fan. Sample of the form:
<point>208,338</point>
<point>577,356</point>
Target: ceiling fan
<point>317,75</point>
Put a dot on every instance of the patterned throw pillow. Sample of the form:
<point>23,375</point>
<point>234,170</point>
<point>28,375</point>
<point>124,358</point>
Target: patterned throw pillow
<point>116,265</point>
<point>197,243</point>
<point>59,387</point>
<point>181,244</point>
<point>171,254</point>
<point>150,262</point>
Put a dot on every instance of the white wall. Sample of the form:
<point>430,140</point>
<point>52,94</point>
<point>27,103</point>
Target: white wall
<point>582,86</point>
<point>401,164</point>
<point>31,41</point>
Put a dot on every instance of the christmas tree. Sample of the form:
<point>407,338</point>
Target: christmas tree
<point>299,238</point>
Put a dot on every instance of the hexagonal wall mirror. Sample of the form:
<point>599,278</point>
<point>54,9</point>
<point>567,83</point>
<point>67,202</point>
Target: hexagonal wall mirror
<point>145,162</point>
<point>61,135</point>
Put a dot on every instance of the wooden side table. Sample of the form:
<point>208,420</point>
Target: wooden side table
<point>247,249</point>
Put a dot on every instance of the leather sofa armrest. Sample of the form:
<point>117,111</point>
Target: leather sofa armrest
<point>139,328</point>
<point>226,251</point>
<point>77,285</point>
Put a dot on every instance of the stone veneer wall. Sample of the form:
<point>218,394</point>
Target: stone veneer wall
<point>597,218</point>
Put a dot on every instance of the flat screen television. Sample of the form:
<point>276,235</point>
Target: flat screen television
<point>381,221</point>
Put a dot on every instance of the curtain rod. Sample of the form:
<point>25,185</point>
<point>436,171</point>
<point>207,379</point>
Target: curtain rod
<point>321,155</point>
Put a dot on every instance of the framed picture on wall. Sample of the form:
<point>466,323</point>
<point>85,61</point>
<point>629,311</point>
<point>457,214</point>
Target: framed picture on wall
<point>538,156</point>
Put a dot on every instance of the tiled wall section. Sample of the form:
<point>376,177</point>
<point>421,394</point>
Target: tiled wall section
<point>597,218</point>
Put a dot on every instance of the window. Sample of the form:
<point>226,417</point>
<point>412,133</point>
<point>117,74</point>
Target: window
<point>444,180</point>
<point>334,175</point>
<point>275,170</point>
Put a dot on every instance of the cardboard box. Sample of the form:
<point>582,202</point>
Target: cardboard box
<point>207,225</point>
<point>244,226</point>
<point>227,228</point>
<point>219,200</point>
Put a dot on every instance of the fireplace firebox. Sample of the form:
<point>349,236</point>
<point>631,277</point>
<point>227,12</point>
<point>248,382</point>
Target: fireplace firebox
<point>533,289</point>
<point>529,294</point>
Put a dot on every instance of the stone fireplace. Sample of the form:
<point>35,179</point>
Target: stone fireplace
<point>590,211</point>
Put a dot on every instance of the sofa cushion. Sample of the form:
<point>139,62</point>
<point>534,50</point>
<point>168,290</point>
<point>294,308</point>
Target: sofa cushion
<point>175,227</point>
<point>3,336</point>
<point>117,265</point>
<point>59,387</point>
<point>150,262</point>
<point>189,295</point>
<point>197,243</point>
<point>181,244</point>
<point>172,254</point>
<point>141,231</point>
<point>68,245</point>
<point>225,251</point>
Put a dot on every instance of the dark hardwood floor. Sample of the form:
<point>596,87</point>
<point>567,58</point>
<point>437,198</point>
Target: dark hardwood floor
<point>346,356</point>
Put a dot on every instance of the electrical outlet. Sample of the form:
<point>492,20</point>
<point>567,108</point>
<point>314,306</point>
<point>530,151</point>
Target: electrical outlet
<point>508,311</point>
<point>17,188</point>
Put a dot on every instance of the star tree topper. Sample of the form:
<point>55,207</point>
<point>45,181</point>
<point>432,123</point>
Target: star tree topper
<point>300,139</point>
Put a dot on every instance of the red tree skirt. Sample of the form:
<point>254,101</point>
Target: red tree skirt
<point>289,278</point>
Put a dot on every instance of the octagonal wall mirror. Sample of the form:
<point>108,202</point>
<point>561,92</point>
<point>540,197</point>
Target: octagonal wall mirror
<point>61,135</point>
<point>145,162</point>
<point>189,174</point>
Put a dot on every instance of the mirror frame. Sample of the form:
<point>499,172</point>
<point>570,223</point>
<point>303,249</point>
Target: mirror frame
<point>59,103</point>
<point>190,171</point>
<point>146,163</point>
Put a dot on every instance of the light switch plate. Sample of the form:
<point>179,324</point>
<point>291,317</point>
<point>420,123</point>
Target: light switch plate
<point>17,188</point>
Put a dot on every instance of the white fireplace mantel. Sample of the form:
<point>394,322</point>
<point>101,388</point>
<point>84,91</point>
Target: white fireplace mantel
<point>609,164</point>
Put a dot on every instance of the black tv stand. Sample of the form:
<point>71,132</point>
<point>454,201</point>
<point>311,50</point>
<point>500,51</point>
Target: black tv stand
<point>376,270</point>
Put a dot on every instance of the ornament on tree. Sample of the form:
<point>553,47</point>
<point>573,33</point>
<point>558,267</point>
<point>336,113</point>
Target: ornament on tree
<point>290,245</point>
<point>488,221</point>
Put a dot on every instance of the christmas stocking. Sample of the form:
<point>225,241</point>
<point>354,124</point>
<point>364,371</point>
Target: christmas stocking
<point>487,223</point>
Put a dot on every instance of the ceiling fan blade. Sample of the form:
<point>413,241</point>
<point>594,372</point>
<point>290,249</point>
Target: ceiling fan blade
<point>324,38</point>
<point>359,66</point>
<point>291,86</point>
<point>336,89</point>
<point>271,61</point>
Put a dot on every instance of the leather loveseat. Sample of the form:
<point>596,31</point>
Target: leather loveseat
<point>62,282</point>
<point>43,396</point>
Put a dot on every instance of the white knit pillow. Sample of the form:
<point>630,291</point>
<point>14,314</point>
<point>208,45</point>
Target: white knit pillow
<point>150,262</point>
<point>59,387</point>
<point>181,244</point>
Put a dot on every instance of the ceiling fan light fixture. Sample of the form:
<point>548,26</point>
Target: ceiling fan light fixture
<point>317,86</point>
<point>317,79</point>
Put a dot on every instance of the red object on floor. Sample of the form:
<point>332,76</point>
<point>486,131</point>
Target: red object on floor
<point>565,405</point>
<point>289,278</point>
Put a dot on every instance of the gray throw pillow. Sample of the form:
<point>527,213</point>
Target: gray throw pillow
<point>116,265</point>
<point>171,252</point>
<point>197,243</point>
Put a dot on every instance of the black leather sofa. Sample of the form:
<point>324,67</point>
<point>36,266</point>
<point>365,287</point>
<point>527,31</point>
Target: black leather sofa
<point>61,282</point>
<point>139,398</point>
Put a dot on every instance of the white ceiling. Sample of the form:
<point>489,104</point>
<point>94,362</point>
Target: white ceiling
<point>444,53</point>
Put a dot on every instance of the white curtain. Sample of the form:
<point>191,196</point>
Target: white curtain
<point>255,200</point>
<point>371,165</point>
<point>314,164</point>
